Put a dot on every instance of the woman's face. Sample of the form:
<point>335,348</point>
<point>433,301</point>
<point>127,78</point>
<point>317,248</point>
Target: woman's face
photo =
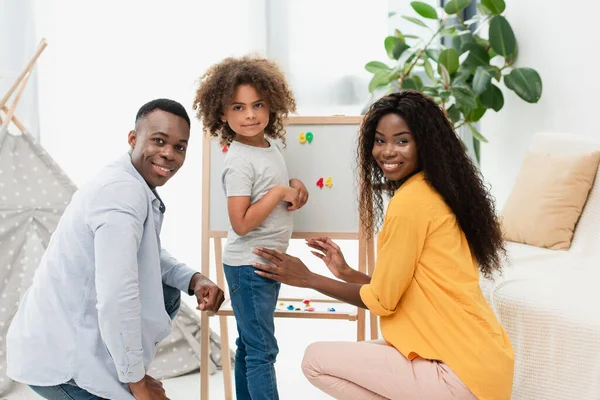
<point>394,148</point>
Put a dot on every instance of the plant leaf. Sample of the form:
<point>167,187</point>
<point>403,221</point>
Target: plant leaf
<point>381,78</point>
<point>483,10</point>
<point>428,69</point>
<point>477,150</point>
<point>456,6</point>
<point>453,113</point>
<point>375,66</point>
<point>477,56</point>
<point>461,77</point>
<point>526,83</point>
<point>409,83</point>
<point>445,75</point>
<point>473,20</point>
<point>459,41</point>
<point>476,133</point>
<point>418,82</point>
<point>424,10</point>
<point>492,98</point>
<point>476,114</point>
<point>449,59</point>
<point>464,96</point>
<point>449,31</point>
<point>481,80</point>
<point>481,41</point>
<point>394,46</point>
<point>495,6</point>
<point>502,37</point>
<point>433,54</point>
<point>415,21</point>
<point>430,91</point>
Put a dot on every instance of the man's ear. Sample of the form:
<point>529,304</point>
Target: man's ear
<point>132,138</point>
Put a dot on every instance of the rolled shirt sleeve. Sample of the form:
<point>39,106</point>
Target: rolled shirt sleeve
<point>175,273</point>
<point>401,242</point>
<point>116,218</point>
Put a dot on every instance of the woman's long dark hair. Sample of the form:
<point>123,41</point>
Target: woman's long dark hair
<point>447,168</point>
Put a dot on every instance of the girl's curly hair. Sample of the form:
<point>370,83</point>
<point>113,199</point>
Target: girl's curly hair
<point>218,85</point>
<point>447,168</point>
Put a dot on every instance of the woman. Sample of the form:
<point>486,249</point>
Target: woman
<point>442,340</point>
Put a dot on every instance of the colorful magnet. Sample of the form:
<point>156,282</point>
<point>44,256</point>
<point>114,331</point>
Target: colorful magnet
<point>309,136</point>
<point>331,309</point>
<point>297,309</point>
<point>306,302</point>
<point>225,148</point>
<point>309,309</point>
<point>328,182</point>
<point>302,138</point>
<point>281,303</point>
<point>320,183</point>
<point>291,308</point>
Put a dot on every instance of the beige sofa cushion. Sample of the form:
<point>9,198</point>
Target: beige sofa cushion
<point>548,198</point>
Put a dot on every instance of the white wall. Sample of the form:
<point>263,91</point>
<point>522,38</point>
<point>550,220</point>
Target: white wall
<point>105,59</point>
<point>323,47</point>
<point>559,40</point>
<point>17,45</point>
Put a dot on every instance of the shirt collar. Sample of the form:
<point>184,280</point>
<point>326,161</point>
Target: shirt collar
<point>125,160</point>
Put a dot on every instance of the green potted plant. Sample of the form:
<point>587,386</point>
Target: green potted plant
<point>456,65</point>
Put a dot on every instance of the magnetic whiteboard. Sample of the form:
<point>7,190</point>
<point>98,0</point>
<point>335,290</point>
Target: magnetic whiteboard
<point>331,153</point>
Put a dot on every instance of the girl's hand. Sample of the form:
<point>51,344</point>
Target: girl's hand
<point>302,194</point>
<point>331,255</point>
<point>290,195</point>
<point>285,269</point>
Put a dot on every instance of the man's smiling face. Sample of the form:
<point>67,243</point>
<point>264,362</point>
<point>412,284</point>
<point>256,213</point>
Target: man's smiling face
<point>159,146</point>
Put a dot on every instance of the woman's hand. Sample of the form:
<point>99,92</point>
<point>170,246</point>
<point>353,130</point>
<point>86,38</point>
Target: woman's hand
<point>286,269</point>
<point>331,255</point>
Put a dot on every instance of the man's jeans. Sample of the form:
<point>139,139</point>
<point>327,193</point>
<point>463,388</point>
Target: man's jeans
<point>254,299</point>
<point>70,390</point>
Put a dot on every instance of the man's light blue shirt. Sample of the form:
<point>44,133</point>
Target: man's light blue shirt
<point>95,311</point>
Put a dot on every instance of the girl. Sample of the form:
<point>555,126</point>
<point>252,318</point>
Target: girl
<point>243,102</point>
<point>442,340</point>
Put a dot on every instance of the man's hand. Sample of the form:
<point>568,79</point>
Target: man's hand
<point>148,389</point>
<point>209,296</point>
<point>302,194</point>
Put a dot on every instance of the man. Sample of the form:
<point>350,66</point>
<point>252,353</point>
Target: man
<point>105,292</point>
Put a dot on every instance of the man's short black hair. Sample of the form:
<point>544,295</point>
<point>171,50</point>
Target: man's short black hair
<point>170,106</point>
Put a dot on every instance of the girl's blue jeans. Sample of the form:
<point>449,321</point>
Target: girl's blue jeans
<point>253,299</point>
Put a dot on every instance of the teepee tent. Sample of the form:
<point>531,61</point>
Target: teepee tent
<point>34,193</point>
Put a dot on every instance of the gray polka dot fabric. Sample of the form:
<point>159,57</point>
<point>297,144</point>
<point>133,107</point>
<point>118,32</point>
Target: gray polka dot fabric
<point>179,353</point>
<point>34,192</point>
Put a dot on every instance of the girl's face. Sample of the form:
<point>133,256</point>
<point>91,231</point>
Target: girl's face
<point>247,115</point>
<point>394,148</point>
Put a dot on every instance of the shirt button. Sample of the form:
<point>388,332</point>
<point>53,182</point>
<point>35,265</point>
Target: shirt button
<point>122,373</point>
<point>127,348</point>
<point>130,374</point>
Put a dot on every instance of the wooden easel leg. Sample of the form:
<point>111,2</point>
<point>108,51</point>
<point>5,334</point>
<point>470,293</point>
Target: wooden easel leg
<point>204,349</point>
<point>373,323</point>
<point>225,360</point>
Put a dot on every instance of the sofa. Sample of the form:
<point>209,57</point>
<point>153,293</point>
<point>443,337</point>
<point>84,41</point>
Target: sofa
<point>548,301</point>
